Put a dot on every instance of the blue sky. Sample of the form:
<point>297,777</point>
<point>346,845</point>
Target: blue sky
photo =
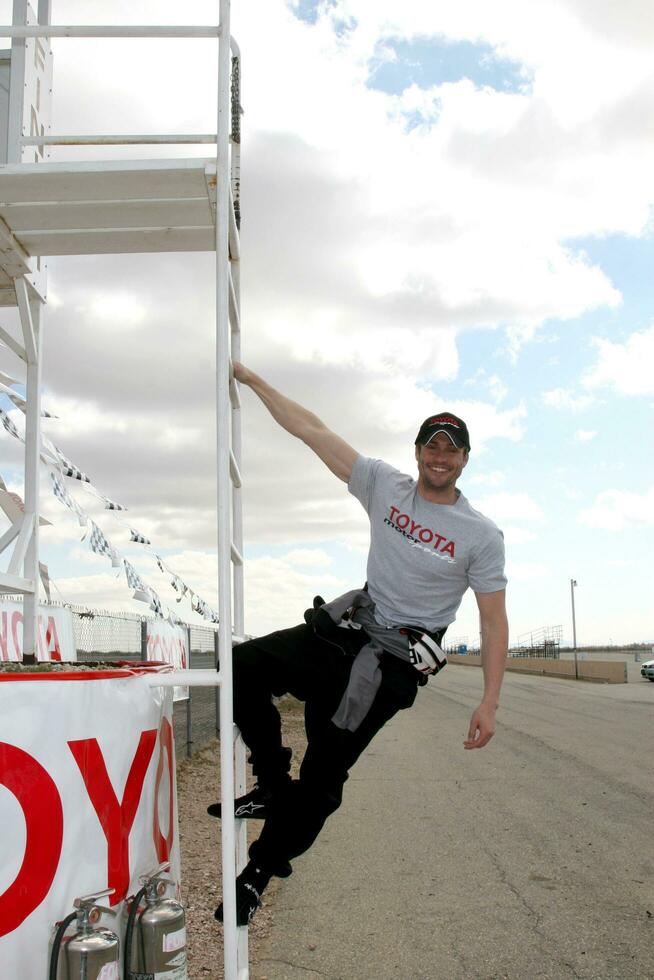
<point>432,61</point>
<point>445,206</point>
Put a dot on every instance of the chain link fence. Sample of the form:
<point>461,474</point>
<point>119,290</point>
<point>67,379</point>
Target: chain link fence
<point>102,635</point>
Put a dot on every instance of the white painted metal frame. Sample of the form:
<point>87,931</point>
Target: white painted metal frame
<point>229,480</point>
<point>230,544</point>
<point>22,574</point>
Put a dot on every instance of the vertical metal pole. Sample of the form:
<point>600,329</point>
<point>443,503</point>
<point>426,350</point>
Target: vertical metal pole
<point>189,706</point>
<point>237,499</point>
<point>573,582</point>
<point>16,86</point>
<point>189,724</point>
<point>216,657</point>
<point>144,640</point>
<point>33,411</point>
<point>32,473</point>
<point>235,272</point>
<point>223,427</point>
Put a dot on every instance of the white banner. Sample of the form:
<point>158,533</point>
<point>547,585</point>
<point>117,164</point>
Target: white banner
<point>87,801</point>
<point>55,640</point>
<point>169,644</point>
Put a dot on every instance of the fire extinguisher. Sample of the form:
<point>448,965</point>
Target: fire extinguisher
<point>92,953</point>
<point>155,936</point>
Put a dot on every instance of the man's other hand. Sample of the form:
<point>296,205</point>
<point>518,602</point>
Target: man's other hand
<point>482,727</point>
<point>242,374</point>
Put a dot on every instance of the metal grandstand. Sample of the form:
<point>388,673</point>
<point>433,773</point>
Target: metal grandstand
<point>542,642</point>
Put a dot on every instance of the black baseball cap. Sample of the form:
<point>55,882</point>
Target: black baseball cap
<point>454,428</point>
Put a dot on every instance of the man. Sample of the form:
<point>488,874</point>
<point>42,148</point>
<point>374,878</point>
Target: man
<point>359,659</point>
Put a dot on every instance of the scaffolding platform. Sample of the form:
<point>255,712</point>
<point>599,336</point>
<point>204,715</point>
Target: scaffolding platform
<point>106,207</point>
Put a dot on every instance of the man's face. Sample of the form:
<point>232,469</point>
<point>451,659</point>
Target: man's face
<point>440,463</point>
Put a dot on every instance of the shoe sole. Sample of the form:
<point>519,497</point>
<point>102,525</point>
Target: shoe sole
<point>250,811</point>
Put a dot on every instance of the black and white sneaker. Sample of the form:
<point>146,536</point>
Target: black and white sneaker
<point>250,885</point>
<point>254,805</point>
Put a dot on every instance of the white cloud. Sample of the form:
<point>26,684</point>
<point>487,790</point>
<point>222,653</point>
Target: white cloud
<point>492,478</point>
<point>76,416</point>
<point>510,507</point>
<point>308,558</point>
<point>380,350</point>
<point>525,571</point>
<point>517,535</point>
<point>278,592</point>
<point>101,591</point>
<point>585,435</point>
<point>473,241</point>
<point>567,401</point>
<point>486,422</point>
<point>278,589</point>
<point>625,367</point>
<point>614,510</point>
<point>119,310</point>
<point>495,386</point>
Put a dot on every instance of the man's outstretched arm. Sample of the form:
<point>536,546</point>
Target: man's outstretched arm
<point>494,646</point>
<point>335,453</point>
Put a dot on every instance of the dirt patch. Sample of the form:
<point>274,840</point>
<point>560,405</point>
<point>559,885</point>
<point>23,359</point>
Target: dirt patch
<point>197,786</point>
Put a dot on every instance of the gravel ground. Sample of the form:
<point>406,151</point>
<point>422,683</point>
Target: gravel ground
<point>197,785</point>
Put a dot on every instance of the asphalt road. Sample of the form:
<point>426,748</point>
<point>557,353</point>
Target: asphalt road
<point>531,859</point>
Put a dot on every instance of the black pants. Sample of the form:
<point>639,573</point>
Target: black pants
<point>296,661</point>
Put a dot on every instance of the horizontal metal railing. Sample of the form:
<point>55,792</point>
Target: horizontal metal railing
<point>115,30</point>
<point>121,139</point>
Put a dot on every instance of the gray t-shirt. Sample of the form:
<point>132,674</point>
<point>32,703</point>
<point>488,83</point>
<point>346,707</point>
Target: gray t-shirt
<point>423,556</point>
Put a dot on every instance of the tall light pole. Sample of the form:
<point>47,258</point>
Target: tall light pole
<point>573,583</point>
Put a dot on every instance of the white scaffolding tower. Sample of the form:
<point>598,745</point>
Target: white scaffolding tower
<point>80,208</point>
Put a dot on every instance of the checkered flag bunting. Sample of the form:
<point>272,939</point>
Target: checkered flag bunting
<point>64,497</point>
<point>156,604</point>
<point>69,469</point>
<point>179,586</point>
<point>60,491</point>
<point>134,580</point>
<point>45,578</point>
<point>99,543</point>
<point>49,453</point>
<point>9,425</point>
<point>112,505</point>
<point>59,466</point>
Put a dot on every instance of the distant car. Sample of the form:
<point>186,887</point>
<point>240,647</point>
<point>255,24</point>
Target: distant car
<point>647,669</point>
